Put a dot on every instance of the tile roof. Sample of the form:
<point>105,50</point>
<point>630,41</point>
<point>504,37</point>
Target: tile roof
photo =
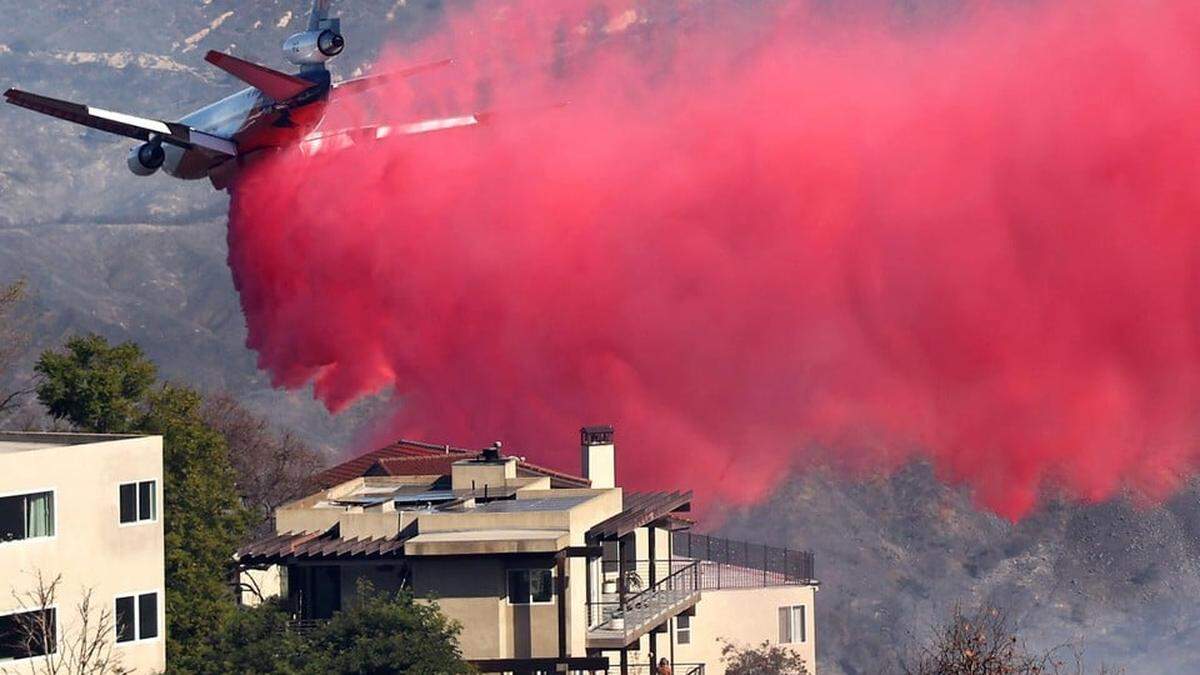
<point>414,458</point>
<point>357,466</point>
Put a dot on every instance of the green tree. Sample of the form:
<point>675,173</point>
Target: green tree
<point>258,640</point>
<point>204,522</point>
<point>377,633</point>
<point>96,386</point>
<point>765,659</point>
<point>104,388</point>
<point>387,633</point>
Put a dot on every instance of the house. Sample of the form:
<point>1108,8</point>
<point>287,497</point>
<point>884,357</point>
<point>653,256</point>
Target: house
<point>546,571</point>
<point>84,510</point>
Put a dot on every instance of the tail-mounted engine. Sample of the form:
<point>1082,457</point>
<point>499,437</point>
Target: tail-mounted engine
<point>314,46</point>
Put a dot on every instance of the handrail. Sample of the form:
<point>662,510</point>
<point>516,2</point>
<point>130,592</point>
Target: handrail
<point>629,601</point>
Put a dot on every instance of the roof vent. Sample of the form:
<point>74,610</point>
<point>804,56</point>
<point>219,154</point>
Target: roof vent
<point>491,454</point>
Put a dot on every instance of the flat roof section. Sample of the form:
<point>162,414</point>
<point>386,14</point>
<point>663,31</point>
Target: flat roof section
<point>529,505</point>
<point>482,542</point>
<point>26,441</point>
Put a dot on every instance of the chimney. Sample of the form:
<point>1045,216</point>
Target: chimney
<point>489,469</point>
<point>599,455</point>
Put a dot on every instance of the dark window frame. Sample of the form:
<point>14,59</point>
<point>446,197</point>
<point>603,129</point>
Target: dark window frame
<point>797,631</point>
<point>134,619</point>
<point>53,649</point>
<point>21,501</point>
<point>143,498</point>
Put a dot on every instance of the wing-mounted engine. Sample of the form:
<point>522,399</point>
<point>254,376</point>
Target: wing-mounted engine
<point>146,158</point>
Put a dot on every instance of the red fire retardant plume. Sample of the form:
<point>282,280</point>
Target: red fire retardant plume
<point>756,242</point>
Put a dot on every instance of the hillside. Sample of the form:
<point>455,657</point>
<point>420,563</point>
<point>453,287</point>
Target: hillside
<point>144,259</point>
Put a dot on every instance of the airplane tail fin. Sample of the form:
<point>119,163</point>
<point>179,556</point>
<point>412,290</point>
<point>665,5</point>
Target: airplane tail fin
<point>319,14</point>
<point>277,85</point>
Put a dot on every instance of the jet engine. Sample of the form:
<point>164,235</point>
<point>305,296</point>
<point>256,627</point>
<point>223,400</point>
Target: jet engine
<point>146,158</point>
<point>313,47</point>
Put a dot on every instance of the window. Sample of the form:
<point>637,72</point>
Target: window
<point>139,501</point>
<point>609,556</point>
<point>26,634</point>
<point>683,629</point>
<point>530,587</point>
<point>137,617</point>
<point>27,516</point>
<point>791,625</point>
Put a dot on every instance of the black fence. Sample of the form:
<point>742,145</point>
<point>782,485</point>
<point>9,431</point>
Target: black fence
<point>739,564</point>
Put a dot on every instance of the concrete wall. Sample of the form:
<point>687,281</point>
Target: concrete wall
<point>746,617</point>
<point>473,591</point>
<point>90,549</point>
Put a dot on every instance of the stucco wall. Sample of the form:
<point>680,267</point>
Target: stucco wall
<point>90,549</point>
<point>746,617</point>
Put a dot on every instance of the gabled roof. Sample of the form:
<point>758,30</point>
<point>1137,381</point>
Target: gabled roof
<point>357,466</point>
<point>639,509</point>
<point>432,465</point>
<point>414,458</point>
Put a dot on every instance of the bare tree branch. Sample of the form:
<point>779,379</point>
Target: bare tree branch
<point>14,338</point>
<point>86,643</point>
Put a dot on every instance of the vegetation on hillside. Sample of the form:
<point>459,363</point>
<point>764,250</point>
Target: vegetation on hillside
<point>13,338</point>
<point>985,642</point>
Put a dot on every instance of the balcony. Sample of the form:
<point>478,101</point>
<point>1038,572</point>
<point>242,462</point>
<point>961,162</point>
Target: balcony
<point>736,564</point>
<point>652,593</point>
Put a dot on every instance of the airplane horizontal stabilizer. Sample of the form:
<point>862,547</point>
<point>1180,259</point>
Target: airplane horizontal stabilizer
<point>121,124</point>
<point>277,85</point>
<point>361,84</point>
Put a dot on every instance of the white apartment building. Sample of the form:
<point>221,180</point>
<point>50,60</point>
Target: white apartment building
<point>547,572</point>
<point>84,510</point>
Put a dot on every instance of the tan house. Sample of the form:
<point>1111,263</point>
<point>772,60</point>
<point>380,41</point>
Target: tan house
<point>85,510</point>
<point>546,571</point>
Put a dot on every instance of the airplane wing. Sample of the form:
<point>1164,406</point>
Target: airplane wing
<point>361,84</point>
<point>121,124</point>
<point>277,85</point>
<point>339,139</point>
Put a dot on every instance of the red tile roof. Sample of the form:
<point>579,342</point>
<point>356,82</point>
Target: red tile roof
<point>414,458</point>
<point>433,465</point>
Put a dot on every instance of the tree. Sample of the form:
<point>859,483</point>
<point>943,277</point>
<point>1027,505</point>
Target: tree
<point>13,339</point>
<point>204,524</point>
<point>377,633</point>
<point>387,633</point>
<point>985,642</point>
<point>258,640</point>
<point>272,468</point>
<point>82,642</point>
<point>765,659</point>
<point>96,386</point>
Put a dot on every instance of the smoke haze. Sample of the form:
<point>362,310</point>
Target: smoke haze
<point>755,241</point>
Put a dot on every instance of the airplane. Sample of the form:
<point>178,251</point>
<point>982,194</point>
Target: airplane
<point>278,110</point>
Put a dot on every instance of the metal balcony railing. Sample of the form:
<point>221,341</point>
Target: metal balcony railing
<point>676,668</point>
<point>648,593</point>
<point>738,564</point>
